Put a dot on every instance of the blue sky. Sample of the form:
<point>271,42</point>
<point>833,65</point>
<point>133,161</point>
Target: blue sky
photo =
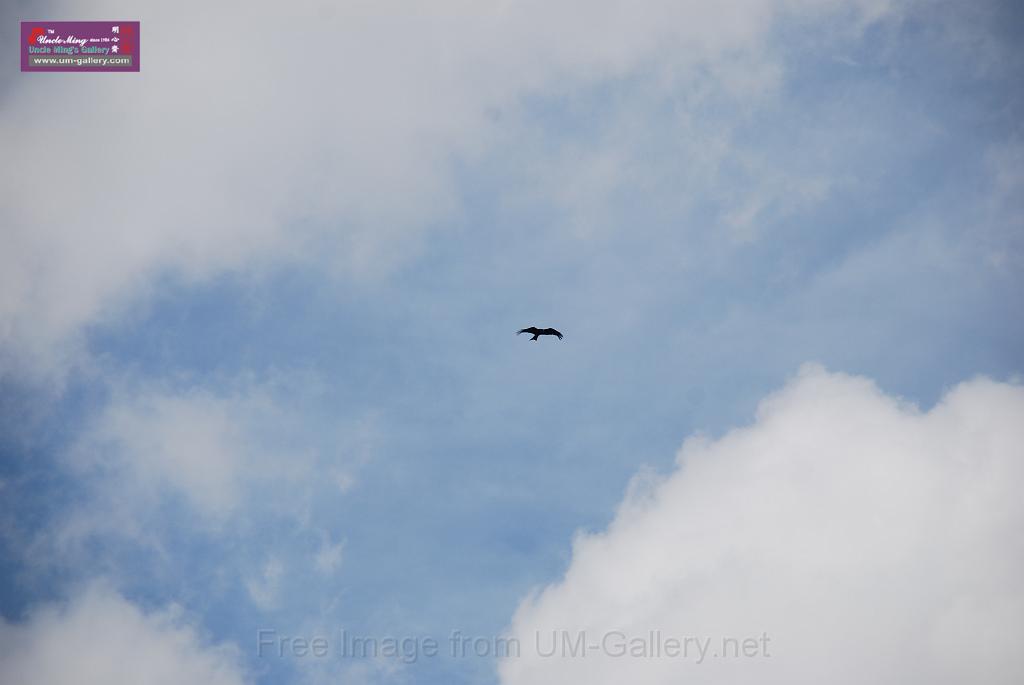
<point>274,381</point>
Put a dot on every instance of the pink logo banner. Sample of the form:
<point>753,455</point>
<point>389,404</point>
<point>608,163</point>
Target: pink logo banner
<point>79,46</point>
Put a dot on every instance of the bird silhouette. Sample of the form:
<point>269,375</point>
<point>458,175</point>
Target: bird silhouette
<point>537,332</point>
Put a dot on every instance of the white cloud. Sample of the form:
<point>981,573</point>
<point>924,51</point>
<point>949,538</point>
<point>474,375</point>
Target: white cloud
<point>101,638</point>
<point>869,540</point>
<point>255,135</point>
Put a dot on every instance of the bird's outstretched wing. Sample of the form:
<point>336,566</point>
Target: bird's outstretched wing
<point>552,331</point>
<point>532,330</point>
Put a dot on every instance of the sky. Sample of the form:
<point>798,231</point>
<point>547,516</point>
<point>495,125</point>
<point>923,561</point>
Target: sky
<point>259,377</point>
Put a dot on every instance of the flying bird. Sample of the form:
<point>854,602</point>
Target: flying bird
<point>537,332</point>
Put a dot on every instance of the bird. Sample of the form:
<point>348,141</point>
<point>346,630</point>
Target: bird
<point>537,332</point>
